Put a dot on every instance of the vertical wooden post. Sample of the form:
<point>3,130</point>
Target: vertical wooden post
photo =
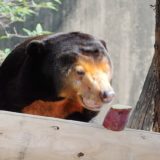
<point>147,111</point>
<point>156,120</point>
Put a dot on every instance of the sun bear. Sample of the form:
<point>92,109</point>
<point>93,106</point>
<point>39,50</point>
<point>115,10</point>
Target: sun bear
<point>66,75</point>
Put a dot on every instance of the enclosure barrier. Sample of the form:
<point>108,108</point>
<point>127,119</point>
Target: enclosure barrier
<point>27,137</point>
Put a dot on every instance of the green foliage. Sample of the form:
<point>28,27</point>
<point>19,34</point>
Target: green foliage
<point>28,33</point>
<point>38,31</point>
<point>3,54</point>
<point>12,11</point>
<point>17,10</point>
<point>7,51</point>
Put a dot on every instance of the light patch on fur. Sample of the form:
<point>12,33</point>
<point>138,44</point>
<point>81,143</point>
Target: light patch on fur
<point>91,66</point>
<point>86,88</point>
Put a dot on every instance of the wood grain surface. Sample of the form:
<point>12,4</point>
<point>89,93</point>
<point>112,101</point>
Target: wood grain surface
<point>27,137</point>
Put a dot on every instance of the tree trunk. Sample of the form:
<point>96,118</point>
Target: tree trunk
<point>146,114</point>
<point>156,121</point>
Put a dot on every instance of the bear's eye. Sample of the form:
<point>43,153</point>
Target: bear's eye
<point>80,70</point>
<point>80,73</point>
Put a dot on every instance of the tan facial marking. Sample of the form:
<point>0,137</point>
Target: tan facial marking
<point>86,80</point>
<point>91,66</point>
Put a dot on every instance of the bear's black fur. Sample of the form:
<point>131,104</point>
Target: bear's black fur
<point>36,69</point>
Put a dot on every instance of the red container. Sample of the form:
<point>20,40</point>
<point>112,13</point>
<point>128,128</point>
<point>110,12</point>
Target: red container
<point>117,117</point>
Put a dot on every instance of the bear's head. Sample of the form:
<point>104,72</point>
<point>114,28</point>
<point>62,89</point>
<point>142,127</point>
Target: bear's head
<point>77,66</point>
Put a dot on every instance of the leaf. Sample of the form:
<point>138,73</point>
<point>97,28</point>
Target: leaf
<point>39,28</point>
<point>3,37</point>
<point>7,50</point>
<point>58,1</point>
<point>27,31</point>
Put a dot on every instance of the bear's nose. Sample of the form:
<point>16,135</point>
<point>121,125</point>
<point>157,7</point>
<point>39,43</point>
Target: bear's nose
<point>107,96</point>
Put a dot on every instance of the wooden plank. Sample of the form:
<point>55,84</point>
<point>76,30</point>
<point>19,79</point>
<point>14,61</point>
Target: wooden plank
<point>26,137</point>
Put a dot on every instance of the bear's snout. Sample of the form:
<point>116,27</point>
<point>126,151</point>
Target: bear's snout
<point>107,96</point>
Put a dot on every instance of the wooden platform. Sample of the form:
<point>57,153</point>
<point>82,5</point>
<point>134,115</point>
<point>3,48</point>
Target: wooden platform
<point>24,137</point>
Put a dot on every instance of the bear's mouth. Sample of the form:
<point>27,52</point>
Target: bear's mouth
<point>90,104</point>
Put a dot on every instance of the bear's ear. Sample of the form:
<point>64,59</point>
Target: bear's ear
<point>35,47</point>
<point>104,43</point>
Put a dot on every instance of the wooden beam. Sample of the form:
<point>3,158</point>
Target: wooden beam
<point>27,137</point>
